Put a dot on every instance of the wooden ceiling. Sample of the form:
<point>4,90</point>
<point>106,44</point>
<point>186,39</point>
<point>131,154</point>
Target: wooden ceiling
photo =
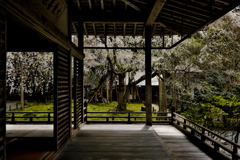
<point>129,17</point>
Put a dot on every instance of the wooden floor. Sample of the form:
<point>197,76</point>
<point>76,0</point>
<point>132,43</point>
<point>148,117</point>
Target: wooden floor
<point>177,144</point>
<point>130,142</point>
<point>29,130</point>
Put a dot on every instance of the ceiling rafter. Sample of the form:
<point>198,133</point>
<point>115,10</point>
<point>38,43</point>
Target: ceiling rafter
<point>168,16</point>
<point>140,1</point>
<point>90,4</point>
<point>155,12</point>
<point>104,29</point>
<point>129,17</point>
<point>206,5</point>
<point>94,29</point>
<point>79,4</point>
<point>74,28</point>
<point>180,14</point>
<point>134,30</point>
<point>187,10</point>
<point>183,30</point>
<point>169,19</point>
<point>102,4</point>
<point>143,34</point>
<point>85,29</point>
<point>114,4</point>
<point>223,2</point>
<point>114,30</point>
<point>126,6</point>
<point>189,4</point>
<point>131,5</point>
<point>154,29</point>
<point>124,30</point>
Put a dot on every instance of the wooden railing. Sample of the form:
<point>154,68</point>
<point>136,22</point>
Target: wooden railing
<point>214,140</point>
<point>127,117</point>
<point>29,117</point>
<point>90,117</point>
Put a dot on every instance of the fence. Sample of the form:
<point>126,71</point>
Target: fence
<point>127,117</point>
<point>214,140</point>
<point>90,117</point>
<point>29,117</point>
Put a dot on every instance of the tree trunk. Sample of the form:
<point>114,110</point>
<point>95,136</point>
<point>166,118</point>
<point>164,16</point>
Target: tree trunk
<point>160,95</point>
<point>22,89</point>
<point>165,96</point>
<point>98,87</point>
<point>107,89</point>
<point>121,95</point>
<point>174,93</point>
<point>110,87</point>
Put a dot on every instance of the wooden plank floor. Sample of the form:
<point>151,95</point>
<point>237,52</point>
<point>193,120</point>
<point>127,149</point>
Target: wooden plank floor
<point>177,144</point>
<point>114,142</point>
<point>130,142</point>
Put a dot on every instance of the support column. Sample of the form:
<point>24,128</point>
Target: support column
<point>148,72</point>
<point>62,96</point>
<point>81,65</point>
<point>3,35</point>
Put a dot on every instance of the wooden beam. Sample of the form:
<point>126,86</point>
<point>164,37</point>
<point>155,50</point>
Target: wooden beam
<point>223,2</point>
<point>143,35</point>
<point>104,29</point>
<point>126,6</point>
<point>94,29</point>
<point>190,4</point>
<point>114,30</point>
<point>85,29</point>
<point>134,30</point>
<point>124,30</point>
<point>131,5</point>
<point>75,29</point>
<point>79,4</point>
<point>154,29</point>
<point>177,20</point>
<point>194,11</point>
<point>102,4</point>
<point>114,4</point>
<point>155,12</point>
<point>181,14</point>
<point>187,21</point>
<point>90,4</point>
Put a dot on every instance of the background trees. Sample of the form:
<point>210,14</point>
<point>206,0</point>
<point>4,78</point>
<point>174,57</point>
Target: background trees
<point>202,66</point>
<point>29,74</point>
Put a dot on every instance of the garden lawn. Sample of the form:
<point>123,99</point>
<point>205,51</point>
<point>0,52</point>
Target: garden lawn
<point>92,107</point>
<point>32,107</point>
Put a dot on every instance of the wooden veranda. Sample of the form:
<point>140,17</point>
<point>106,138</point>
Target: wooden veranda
<point>47,26</point>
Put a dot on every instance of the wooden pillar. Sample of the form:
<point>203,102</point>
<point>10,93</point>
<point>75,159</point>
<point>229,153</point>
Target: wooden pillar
<point>3,26</point>
<point>148,72</point>
<point>62,96</point>
<point>81,65</point>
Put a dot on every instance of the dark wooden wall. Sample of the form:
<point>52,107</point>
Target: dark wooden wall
<point>3,27</point>
<point>78,93</point>
<point>62,99</point>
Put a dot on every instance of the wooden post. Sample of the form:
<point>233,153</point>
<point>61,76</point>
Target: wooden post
<point>129,120</point>
<point>55,123</point>
<point>148,72</point>
<point>3,46</point>
<point>81,65</point>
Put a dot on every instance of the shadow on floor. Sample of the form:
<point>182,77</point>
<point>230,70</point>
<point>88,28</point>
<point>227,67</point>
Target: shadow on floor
<point>29,148</point>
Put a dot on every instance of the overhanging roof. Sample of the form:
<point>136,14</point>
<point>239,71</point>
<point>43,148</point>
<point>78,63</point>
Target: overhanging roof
<point>129,17</point>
